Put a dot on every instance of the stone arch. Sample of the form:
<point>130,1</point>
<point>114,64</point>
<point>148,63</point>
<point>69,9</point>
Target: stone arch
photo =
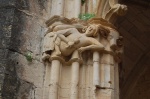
<point>134,28</point>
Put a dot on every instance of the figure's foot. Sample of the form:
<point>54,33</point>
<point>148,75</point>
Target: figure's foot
<point>108,51</point>
<point>80,50</point>
<point>58,53</point>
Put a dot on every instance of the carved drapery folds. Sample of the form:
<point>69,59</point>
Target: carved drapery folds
<point>64,44</point>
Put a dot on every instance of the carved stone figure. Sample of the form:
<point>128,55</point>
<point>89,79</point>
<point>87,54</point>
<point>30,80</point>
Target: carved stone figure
<point>67,35</point>
<point>72,39</point>
<point>64,43</point>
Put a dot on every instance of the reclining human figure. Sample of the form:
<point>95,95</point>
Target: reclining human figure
<point>68,40</point>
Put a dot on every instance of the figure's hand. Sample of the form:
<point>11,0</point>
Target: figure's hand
<point>76,41</point>
<point>70,44</point>
<point>80,50</point>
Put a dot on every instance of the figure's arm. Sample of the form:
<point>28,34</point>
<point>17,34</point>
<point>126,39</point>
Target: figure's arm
<point>92,44</point>
<point>63,38</point>
<point>62,34</point>
<point>67,32</point>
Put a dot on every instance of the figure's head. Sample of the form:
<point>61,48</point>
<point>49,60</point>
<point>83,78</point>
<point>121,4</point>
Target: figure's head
<point>84,29</point>
<point>92,30</point>
<point>95,29</point>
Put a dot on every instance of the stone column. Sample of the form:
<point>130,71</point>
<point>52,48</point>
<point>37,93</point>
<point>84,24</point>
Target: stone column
<point>78,8</point>
<point>54,79</point>
<point>116,83</point>
<point>57,7</point>
<point>106,77</point>
<point>96,69</point>
<point>107,63</point>
<point>74,77</point>
<point>72,8</point>
<point>74,80</point>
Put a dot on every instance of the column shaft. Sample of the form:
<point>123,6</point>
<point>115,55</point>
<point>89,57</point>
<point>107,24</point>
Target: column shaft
<point>74,80</point>
<point>96,69</point>
<point>55,66</point>
<point>78,8</point>
<point>57,7</point>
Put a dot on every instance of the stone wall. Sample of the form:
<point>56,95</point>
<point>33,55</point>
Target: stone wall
<point>6,21</point>
<point>22,29</point>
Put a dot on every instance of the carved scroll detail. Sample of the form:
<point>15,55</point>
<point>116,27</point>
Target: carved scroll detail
<point>118,9</point>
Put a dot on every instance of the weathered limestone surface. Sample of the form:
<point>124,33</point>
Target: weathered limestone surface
<point>6,20</point>
<point>19,23</point>
<point>21,30</point>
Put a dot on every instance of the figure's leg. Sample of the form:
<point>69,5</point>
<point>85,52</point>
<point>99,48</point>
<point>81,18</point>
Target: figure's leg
<point>62,34</point>
<point>65,39</point>
<point>62,27</point>
<point>57,44</point>
<point>91,47</point>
